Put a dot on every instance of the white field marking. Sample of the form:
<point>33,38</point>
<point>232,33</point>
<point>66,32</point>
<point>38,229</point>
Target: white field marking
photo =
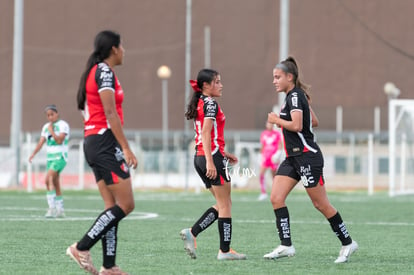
<point>379,223</point>
<point>147,215</point>
<point>190,197</point>
<point>132,216</point>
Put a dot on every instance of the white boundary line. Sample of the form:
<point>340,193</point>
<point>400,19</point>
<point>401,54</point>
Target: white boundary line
<point>148,215</point>
<point>272,221</point>
<point>133,216</point>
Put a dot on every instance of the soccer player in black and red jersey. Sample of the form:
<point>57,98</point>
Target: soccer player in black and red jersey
<point>107,151</point>
<point>304,161</point>
<point>211,163</point>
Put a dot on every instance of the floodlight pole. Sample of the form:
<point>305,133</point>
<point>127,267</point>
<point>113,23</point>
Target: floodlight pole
<point>17,83</point>
<point>283,38</point>
<point>187,85</point>
<point>207,47</point>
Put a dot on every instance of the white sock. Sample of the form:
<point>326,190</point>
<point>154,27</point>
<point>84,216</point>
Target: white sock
<point>59,202</point>
<point>50,195</point>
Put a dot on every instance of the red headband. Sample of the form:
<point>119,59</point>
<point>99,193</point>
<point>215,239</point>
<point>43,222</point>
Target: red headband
<point>195,87</point>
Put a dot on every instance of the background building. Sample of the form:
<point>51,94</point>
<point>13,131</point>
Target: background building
<point>347,50</point>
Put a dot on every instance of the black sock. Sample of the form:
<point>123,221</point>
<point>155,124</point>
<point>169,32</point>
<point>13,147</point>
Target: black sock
<point>224,227</point>
<point>283,225</point>
<point>339,228</point>
<point>207,219</point>
<point>103,223</point>
<point>109,242</point>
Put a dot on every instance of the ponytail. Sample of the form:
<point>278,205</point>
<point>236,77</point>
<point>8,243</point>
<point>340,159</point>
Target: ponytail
<point>81,98</point>
<point>104,41</point>
<point>192,106</point>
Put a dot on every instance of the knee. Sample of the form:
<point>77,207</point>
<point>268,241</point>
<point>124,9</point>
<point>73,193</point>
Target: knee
<point>277,201</point>
<point>317,205</point>
<point>127,207</point>
<point>323,207</point>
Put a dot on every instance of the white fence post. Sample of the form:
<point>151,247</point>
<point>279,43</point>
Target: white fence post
<point>29,165</point>
<point>81,168</point>
<point>403,162</point>
<point>339,124</point>
<point>370,164</point>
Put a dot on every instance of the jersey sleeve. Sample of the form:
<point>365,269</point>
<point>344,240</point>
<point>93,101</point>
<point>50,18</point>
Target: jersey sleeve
<point>210,108</point>
<point>105,78</point>
<point>65,127</point>
<point>45,132</point>
<point>295,102</point>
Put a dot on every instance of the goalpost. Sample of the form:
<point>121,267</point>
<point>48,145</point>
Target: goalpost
<point>400,145</point>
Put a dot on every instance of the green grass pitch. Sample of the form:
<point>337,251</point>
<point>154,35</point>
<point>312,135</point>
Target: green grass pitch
<point>149,242</point>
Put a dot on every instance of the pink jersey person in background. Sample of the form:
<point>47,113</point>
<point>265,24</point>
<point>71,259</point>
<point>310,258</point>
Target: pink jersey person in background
<point>271,141</point>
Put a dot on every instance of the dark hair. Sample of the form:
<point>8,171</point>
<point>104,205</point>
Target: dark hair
<point>104,41</point>
<point>51,107</point>
<point>289,65</point>
<point>205,75</point>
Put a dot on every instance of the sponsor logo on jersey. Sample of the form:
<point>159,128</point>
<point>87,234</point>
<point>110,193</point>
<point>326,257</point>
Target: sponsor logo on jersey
<point>295,100</point>
<point>106,84</point>
<point>211,109</point>
<point>106,76</point>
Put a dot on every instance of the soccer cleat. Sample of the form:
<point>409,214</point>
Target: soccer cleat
<point>190,244</point>
<point>115,270</point>
<point>231,255</point>
<point>346,251</point>
<point>82,258</point>
<point>262,197</point>
<point>60,213</point>
<point>51,213</point>
<point>281,251</point>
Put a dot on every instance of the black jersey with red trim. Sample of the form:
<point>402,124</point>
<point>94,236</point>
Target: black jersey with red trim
<point>208,108</point>
<point>298,142</point>
<point>101,77</point>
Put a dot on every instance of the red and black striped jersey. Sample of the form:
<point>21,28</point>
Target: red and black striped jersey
<point>101,77</point>
<point>208,108</point>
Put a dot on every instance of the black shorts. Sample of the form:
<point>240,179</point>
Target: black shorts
<point>104,156</point>
<point>307,167</point>
<point>221,164</point>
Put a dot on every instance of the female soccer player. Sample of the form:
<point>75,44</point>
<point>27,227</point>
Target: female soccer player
<point>107,151</point>
<point>271,141</point>
<point>304,161</point>
<point>211,163</point>
<point>55,134</point>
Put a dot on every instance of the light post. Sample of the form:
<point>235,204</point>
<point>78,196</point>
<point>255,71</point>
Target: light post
<point>164,74</point>
<point>392,92</point>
